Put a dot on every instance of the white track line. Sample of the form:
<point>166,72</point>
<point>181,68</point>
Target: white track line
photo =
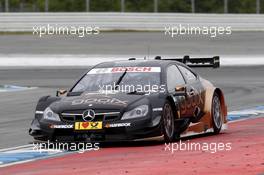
<point>15,148</point>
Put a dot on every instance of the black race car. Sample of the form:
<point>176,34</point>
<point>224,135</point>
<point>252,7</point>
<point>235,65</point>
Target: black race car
<point>133,99</point>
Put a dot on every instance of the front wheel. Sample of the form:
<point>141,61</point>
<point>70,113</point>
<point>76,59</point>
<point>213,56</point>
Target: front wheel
<point>216,114</point>
<point>168,123</point>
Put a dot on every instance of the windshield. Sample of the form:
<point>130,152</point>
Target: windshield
<point>126,79</point>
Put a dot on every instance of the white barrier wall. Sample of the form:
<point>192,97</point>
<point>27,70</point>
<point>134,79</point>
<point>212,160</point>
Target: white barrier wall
<point>129,21</point>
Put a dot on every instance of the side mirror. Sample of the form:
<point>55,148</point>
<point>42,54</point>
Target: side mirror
<point>180,91</point>
<point>61,92</point>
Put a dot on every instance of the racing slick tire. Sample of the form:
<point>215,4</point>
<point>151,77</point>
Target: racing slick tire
<point>216,113</point>
<point>168,123</point>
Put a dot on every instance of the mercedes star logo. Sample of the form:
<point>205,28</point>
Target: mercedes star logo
<point>88,115</point>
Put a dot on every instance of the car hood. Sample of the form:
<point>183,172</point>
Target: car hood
<point>96,101</point>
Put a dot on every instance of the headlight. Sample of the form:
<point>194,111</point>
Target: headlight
<point>50,115</point>
<point>139,111</point>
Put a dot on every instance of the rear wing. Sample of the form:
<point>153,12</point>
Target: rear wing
<point>213,62</point>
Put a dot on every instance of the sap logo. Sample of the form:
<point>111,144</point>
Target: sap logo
<point>99,101</point>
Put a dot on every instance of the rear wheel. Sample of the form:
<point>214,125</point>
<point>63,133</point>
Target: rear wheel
<point>168,123</point>
<point>216,114</point>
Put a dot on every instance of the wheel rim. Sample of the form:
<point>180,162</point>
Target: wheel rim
<point>217,112</point>
<point>168,121</point>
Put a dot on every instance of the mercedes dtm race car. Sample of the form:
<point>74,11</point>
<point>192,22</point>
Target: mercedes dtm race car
<point>134,99</point>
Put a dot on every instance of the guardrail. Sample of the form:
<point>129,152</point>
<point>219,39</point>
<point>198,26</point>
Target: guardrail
<point>24,22</point>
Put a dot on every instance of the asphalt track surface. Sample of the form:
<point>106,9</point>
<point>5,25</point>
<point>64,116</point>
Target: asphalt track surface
<point>243,88</point>
<point>139,43</point>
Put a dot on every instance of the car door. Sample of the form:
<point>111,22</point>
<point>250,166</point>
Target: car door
<point>176,79</point>
<point>193,92</point>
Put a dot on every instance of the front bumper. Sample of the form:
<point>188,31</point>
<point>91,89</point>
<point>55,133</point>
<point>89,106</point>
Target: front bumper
<point>130,129</point>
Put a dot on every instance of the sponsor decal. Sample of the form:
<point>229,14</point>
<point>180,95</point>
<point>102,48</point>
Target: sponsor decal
<point>99,101</point>
<point>61,126</point>
<point>116,125</point>
<point>192,101</point>
<point>123,69</point>
<point>88,125</point>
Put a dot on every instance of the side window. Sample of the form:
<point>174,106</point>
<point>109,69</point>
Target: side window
<point>190,77</point>
<point>174,77</point>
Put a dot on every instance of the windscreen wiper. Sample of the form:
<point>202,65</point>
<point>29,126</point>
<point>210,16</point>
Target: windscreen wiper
<point>120,79</point>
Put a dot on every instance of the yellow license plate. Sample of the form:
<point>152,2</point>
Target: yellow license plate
<point>88,125</point>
